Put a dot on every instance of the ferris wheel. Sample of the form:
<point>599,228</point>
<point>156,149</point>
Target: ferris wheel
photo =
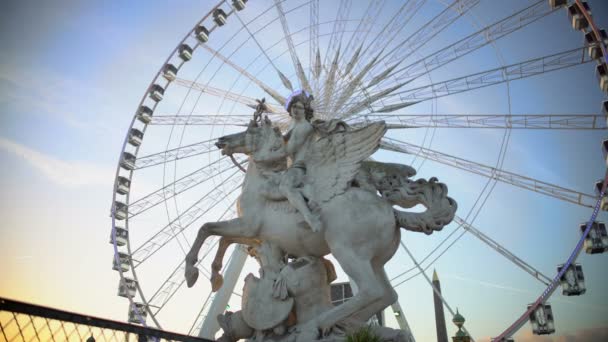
<point>458,93</point>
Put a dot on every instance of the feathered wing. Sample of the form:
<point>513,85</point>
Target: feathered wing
<point>335,159</point>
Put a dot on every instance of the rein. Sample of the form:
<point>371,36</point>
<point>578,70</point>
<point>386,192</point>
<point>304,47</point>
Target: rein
<point>237,164</point>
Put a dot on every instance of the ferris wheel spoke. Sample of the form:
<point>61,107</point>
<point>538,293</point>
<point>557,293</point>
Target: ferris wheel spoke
<point>361,32</point>
<point>204,120</point>
<point>282,77</point>
<point>399,53</point>
<point>393,28</point>
<point>272,92</point>
<point>179,153</point>
<point>181,185</point>
<point>292,50</point>
<point>500,121</point>
<point>209,119</point>
<point>479,39</point>
<point>335,39</point>
<point>511,178</point>
<point>248,101</point>
<point>503,251</point>
<point>464,46</point>
<point>313,45</point>
<point>186,218</point>
<point>429,30</point>
<point>529,68</point>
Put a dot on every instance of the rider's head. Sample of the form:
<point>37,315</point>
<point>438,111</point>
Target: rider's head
<point>302,97</point>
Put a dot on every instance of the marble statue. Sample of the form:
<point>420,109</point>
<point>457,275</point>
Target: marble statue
<point>305,195</point>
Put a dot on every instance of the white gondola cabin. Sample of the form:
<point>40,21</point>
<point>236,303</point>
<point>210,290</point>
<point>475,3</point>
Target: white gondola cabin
<point>595,50</point>
<point>169,72</point>
<point>219,16</point>
<point>541,320</point>
<point>597,239</point>
<point>135,137</point>
<point>127,288</point>
<point>123,186</point>
<point>127,161</point>
<point>185,52</point>
<point>120,210</point>
<point>144,114</point>
<point>156,92</point>
<point>137,313</point>
<point>239,4</point>
<point>578,20</point>
<point>557,3</point>
<point>123,262</point>
<point>573,280</point>
<point>598,191</point>
<point>122,235</point>
<point>202,34</point>
<point>601,71</point>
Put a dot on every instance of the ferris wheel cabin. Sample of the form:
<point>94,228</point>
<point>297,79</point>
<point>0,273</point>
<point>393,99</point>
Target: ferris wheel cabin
<point>123,262</point>
<point>598,192</point>
<point>219,16</point>
<point>602,77</point>
<point>144,114</point>
<point>557,3</point>
<point>127,161</point>
<point>541,319</point>
<point>202,34</point>
<point>123,185</point>
<point>595,50</point>
<point>579,22</point>
<point>185,52</point>
<point>573,280</point>
<point>122,235</point>
<point>239,4</point>
<point>120,210</point>
<point>605,150</point>
<point>169,72</point>
<point>597,240</point>
<point>137,311</point>
<point>127,287</point>
<point>156,92</point>
<point>135,137</point>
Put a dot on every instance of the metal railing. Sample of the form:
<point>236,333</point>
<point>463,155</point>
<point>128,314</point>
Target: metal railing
<point>21,321</point>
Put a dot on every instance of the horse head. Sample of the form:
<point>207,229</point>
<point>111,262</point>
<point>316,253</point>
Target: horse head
<point>259,139</point>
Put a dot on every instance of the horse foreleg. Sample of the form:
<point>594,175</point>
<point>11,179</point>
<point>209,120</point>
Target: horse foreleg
<point>231,228</point>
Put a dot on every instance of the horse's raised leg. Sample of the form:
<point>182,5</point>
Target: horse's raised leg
<point>231,228</point>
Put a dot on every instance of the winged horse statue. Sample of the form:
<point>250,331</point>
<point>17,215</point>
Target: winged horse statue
<point>355,199</point>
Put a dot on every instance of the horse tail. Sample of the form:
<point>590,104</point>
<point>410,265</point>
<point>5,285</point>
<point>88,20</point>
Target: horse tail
<point>440,208</point>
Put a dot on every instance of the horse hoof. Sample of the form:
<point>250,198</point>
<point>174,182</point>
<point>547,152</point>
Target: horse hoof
<point>191,276</point>
<point>216,282</point>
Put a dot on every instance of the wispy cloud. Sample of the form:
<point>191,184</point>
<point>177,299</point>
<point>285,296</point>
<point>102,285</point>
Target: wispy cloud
<point>40,91</point>
<point>64,173</point>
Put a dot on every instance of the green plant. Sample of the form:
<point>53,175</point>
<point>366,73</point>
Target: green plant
<point>364,334</point>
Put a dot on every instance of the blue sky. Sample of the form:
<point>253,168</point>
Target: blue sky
<point>72,73</point>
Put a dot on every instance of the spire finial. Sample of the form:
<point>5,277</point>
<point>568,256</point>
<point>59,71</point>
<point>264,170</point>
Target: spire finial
<point>435,277</point>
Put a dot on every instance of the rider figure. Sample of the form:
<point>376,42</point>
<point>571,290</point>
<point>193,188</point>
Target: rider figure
<point>298,140</point>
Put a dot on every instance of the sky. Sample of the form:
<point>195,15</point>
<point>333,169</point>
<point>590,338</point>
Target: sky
<point>72,74</point>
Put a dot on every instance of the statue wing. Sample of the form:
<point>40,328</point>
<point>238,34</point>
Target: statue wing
<point>335,159</point>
